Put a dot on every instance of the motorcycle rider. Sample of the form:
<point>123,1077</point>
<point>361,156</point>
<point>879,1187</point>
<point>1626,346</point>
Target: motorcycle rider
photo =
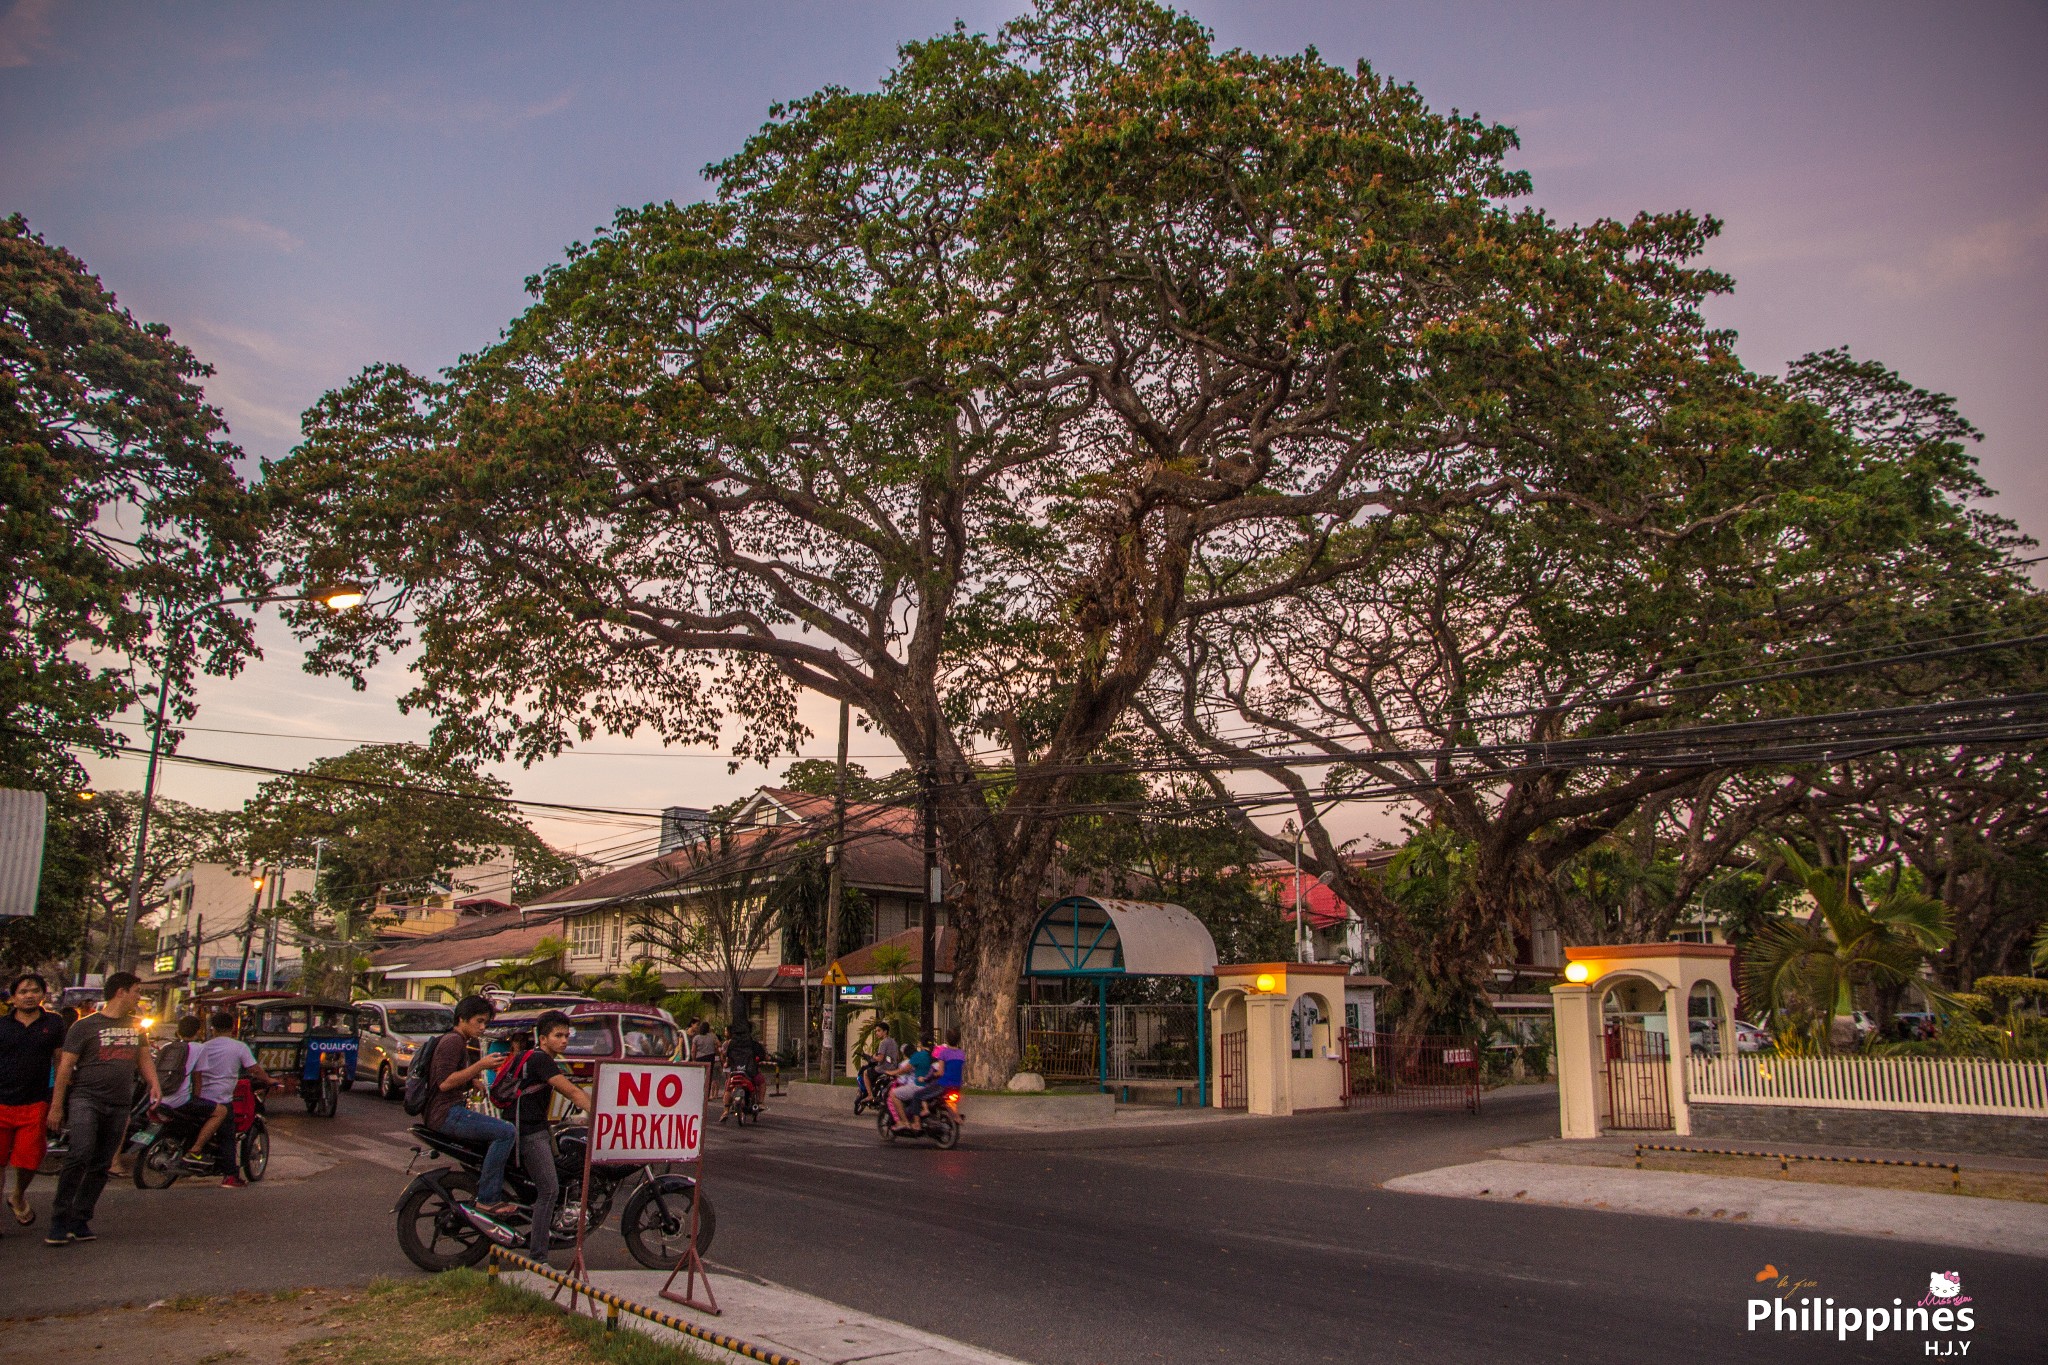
<point>207,1092</point>
<point>950,1069</point>
<point>886,1058</point>
<point>447,1113</point>
<point>540,1078</point>
<point>743,1055</point>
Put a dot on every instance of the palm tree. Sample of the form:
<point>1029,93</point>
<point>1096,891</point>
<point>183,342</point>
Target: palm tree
<point>540,970</point>
<point>1808,970</point>
<point>898,1001</point>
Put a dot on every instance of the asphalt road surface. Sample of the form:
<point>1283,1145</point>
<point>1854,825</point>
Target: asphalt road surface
<point>1249,1241</point>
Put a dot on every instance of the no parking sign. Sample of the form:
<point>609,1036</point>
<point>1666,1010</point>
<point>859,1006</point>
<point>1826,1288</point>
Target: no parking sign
<point>648,1111</point>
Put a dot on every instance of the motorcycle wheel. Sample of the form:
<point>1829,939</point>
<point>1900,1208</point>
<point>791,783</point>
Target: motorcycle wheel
<point>255,1151</point>
<point>157,1167</point>
<point>944,1130</point>
<point>656,1223</point>
<point>883,1126</point>
<point>330,1098</point>
<point>432,1232</point>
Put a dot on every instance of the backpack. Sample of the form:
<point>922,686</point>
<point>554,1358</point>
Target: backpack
<point>419,1081</point>
<point>506,1092</point>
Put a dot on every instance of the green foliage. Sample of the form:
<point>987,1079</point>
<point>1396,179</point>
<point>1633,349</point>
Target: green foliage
<point>542,969</point>
<point>1809,971</point>
<point>897,1002</point>
<point>639,984</point>
<point>120,512</point>
<point>724,905</point>
<point>1434,950</point>
<point>819,777</point>
<point>398,819</point>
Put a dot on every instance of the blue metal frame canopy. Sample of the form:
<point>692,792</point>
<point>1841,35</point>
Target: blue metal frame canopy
<point>1083,936</point>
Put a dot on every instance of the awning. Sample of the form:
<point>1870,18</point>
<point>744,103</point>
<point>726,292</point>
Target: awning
<point>1087,936</point>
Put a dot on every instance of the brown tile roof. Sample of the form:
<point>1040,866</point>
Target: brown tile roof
<point>861,961</point>
<point>488,938</point>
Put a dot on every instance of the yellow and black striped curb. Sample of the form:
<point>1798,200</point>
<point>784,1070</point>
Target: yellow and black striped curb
<point>1785,1160</point>
<point>617,1305</point>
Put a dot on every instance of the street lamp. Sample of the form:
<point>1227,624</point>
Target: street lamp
<point>337,597</point>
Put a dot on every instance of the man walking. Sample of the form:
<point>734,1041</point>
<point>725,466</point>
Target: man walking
<point>29,1038</point>
<point>95,1088</point>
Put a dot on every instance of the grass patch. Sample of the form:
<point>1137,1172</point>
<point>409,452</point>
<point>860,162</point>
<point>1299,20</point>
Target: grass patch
<point>461,1318</point>
<point>2024,1186</point>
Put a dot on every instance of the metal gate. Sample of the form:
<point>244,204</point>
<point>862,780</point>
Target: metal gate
<point>1411,1071</point>
<point>1638,1077</point>
<point>1230,1069</point>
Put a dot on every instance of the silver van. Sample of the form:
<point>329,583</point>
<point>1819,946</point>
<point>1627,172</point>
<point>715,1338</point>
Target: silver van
<point>391,1031</point>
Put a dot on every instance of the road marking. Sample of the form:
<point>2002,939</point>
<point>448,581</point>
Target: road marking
<point>814,1166</point>
<point>1363,1254</point>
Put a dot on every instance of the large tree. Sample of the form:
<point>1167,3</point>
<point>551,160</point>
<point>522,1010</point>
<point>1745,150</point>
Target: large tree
<point>934,404</point>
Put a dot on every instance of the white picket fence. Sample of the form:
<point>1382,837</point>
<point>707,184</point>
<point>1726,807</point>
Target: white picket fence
<point>1944,1085</point>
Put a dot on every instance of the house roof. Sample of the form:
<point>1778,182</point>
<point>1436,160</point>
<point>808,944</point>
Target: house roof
<point>1325,909</point>
<point>484,942</point>
<point>880,853</point>
<point>860,963</point>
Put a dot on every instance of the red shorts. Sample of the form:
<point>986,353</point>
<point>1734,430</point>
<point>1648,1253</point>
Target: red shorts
<point>22,1140</point>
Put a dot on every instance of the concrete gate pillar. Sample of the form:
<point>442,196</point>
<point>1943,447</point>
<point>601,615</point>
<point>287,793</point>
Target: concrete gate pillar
<point>1283,1074</point>
<point>1677,972</point>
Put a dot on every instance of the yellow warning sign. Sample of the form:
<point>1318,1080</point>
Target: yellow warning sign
<point>835,975</point>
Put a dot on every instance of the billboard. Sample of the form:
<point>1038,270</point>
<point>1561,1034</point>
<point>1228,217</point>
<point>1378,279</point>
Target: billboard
<point>648,1111</point>
<point>23,817</point>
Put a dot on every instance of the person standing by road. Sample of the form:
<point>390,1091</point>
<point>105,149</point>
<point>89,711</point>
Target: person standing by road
<point>95,1088</point>
<point>448,1080</point>
<point>540,1079</point>
<point>703,1043</point>
<point>29,1038</point>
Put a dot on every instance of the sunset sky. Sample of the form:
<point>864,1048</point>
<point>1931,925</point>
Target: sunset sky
<point>301,190</point>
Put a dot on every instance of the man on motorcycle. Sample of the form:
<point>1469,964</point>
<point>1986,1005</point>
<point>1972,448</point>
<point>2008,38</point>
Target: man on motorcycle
<point>203,1097</point>
<point>913,1075</point>
<point>539,1077</point>
<point>885,1059</point>
<point>743,1056</point>
<point>449,1080</point>
<point>950,1069</point>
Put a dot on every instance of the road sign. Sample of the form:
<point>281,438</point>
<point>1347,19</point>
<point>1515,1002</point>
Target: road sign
<point>648,1111</point>
<point>790,969</point>
<point>835,975</point>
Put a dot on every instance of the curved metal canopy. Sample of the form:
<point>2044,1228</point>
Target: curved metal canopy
<point>1086,936</point>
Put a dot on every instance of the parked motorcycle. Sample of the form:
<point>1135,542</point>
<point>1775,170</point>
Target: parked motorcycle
<point>937,1119</point>
<point>160,1145</point>
<point>439,1229</point>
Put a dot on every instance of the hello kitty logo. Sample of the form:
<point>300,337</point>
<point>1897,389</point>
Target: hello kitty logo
<point>1944,1287</point>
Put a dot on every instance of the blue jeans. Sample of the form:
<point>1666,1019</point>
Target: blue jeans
<point>471,1126</point>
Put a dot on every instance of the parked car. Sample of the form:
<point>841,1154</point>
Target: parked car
<point>1865,1022</point>
<point>1750,1038</point>
<point>391,1031</point>
<point>1917,1024</point>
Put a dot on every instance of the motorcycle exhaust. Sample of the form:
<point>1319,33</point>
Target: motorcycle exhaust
<point>491,1228</point>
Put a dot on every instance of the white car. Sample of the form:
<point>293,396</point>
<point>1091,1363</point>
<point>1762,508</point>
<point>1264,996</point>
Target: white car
<point>1750,1038</point>
<point>390,1032</point>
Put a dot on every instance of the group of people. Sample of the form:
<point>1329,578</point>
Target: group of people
<point>89,1077</point>
<point>919,1076</point>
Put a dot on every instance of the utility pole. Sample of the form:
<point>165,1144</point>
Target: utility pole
<point>835,884</point>
<point>929,940</point>
<point>249,928</point>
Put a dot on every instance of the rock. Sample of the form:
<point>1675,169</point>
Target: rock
<point>1026,1081</point>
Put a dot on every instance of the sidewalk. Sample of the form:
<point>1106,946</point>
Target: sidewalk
<point>813,1330</point>
<point>1010,1113</point>
<point>1943,1219</point>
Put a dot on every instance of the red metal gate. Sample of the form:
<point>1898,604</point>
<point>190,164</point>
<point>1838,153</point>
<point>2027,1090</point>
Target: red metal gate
<point>1410,1071</point>
<point>1230,1069</point>
<point>1638,1077</point>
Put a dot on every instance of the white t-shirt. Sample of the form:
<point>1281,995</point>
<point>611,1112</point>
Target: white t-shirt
<point>216,1065</point>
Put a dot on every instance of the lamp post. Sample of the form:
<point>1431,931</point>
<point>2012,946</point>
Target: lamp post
<point>340,597</point>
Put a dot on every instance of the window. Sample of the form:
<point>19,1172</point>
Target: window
<point>618,937</point>
<point>587,939</point>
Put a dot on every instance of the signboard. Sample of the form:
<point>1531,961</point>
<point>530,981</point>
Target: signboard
<point>860,993</point>
<point>835,975</point>
<point>648,1111</point>
<point>791,969</point>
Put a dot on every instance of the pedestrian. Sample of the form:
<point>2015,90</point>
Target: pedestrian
<point>703,1043</point>
<point>95,1086</point>
<point>29,1038</point>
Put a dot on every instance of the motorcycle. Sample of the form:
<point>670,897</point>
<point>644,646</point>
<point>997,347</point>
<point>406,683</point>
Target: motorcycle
<point>937,1118</point>
<point>439,1229</point>
<point>872,1082</point>
<point>742,1098</point>
<point>160,1146</point>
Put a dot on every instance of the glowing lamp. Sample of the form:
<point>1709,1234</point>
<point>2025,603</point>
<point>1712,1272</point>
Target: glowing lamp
<point>1578,973</point>
<point>1266,983</point>
<point>341,599</point>
<point>256,883</point>
<point>147,1023</point>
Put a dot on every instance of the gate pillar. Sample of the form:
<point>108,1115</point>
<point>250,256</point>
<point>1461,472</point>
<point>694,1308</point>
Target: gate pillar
<point>1677,971</point>
<point>1294,1052</point>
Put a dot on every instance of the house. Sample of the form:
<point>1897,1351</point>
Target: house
<point>881,858</point>
<point>219,922</point>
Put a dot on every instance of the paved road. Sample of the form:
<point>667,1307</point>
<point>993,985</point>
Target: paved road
<point>1250,1241</point>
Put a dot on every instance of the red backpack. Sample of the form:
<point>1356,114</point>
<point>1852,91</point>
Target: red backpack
<point>506,1092</point>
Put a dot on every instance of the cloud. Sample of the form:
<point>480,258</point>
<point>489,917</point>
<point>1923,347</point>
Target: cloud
<point>269,234</point>
<point>1987,250</point>
<point>25,29</point>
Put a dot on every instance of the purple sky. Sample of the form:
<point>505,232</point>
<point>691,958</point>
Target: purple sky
<point>299,190</point>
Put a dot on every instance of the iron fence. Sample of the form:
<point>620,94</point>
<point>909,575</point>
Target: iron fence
<point>1411,1071</point>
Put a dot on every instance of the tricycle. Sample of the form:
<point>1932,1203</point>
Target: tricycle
<point>305,1039</point>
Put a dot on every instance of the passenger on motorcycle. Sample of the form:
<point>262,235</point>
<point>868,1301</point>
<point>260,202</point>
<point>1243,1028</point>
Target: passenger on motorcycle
<point>448,1081</point>
<point>951,1070</point>
<point>211,1070</point>
<point>913,1075</point>
<point>743,1057</point>
<point>539,1077</point>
